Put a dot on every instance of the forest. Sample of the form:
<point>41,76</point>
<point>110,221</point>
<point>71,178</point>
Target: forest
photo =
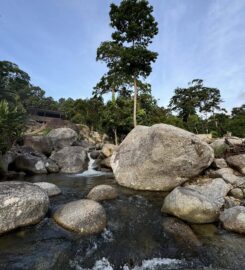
<point>196,108</point>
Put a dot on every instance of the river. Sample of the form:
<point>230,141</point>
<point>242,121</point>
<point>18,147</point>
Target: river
<point>134,238</point>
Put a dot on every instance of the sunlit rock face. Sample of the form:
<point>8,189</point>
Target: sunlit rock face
<point>82,216</point>
<point>160,157</point>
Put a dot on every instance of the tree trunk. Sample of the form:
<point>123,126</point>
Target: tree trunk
<point>115,136</point>
<point>113,99</point>
<point>135,101</point>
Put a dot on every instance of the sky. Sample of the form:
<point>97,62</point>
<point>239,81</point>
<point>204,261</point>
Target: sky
<point>55,42</point>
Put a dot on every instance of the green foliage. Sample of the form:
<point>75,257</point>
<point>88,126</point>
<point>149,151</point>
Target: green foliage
<point>115,117</point>
<point>219,151</point>
<point>133,22</point>
<point>12,119</point>
<point>196,98</point>
<point>126,56</point>
<point>46,131</point>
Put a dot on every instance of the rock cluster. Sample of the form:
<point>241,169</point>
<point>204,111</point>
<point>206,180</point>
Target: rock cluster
<point>202,179</point>
<point>61,150</point>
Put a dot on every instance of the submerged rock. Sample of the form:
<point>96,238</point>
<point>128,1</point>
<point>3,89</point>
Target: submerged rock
<point>160,157</point>
<point>191,205</point>
<point>102,192</point>
<point>71,159</point>
<point>82,216</point>
<point>233,219</point>
<point>21,204</point>
<point>51,189</point>
<point>181,232</point>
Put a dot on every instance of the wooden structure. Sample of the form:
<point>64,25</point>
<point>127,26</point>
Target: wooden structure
<point>44,116</point>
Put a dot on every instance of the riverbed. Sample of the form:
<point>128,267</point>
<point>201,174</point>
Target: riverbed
<point>134,238</point>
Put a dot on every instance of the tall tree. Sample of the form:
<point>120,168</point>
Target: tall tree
<point>109,52</point>
<point>194,99</point>
<point>135,28</point>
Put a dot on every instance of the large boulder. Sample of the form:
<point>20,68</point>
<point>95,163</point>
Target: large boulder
<point>191,205</point>
<point>214,189</point>
<point>51,189</point>
<point>30,163</point>
<point>62,137</point>
<point>82,216</point>
<point>102,192</point>
<point>160,157</point>
<point>42,144</point>
<point>238,162</point>
<point>21,204</point>
<point>233,219</point>
<point>71,159</point>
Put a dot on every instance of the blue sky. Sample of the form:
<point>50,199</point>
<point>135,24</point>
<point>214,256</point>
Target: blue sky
<point>55,41</point>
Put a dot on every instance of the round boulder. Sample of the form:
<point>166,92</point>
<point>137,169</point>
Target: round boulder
<point>102,192</point>
<point>160,157</point>
<point>71,159</point>
<point>95,154</point>
<point>21,204</point>
<point>233,219</point>
<point>62,137</point>
<point>108,149</point>
<point>238,162</point>
<point>191,205</point>
<point>51,189</point>
<point>82,216</point>
<point>30,163</point>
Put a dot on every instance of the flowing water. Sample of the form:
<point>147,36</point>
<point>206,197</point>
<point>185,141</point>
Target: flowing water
<point>134,238</point>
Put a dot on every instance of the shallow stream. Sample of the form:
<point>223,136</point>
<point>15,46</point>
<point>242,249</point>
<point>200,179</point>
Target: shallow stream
<point>134,238</point>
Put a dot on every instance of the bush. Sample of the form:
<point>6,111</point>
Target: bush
<point>12,123</point>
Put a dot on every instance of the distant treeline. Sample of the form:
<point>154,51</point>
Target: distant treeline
<point>196,108</point>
